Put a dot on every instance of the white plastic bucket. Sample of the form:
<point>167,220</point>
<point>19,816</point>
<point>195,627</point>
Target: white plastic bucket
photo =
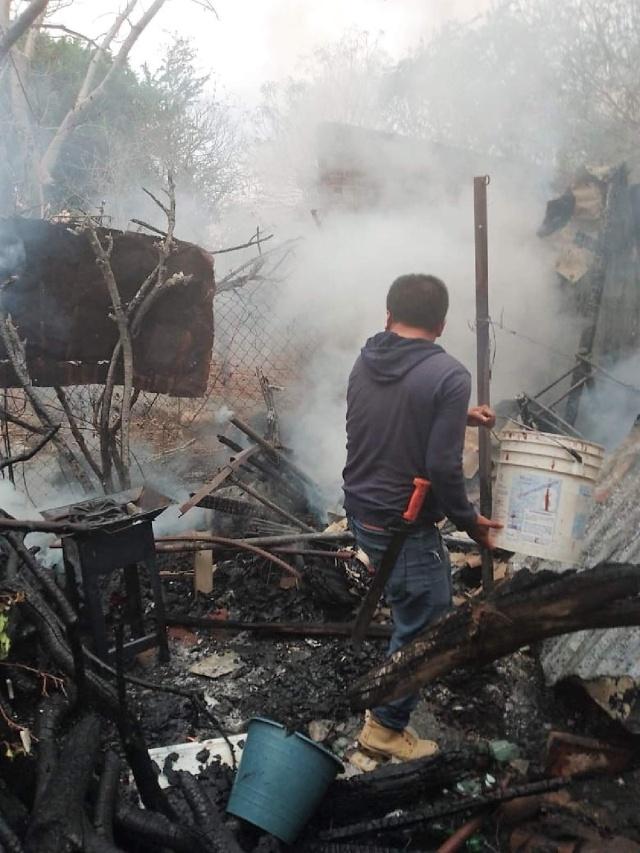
<point>543,494</point>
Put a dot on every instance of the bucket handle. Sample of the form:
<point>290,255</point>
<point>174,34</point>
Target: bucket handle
<point>577,456</point>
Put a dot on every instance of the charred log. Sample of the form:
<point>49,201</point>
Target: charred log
<point>49,717</point>
<point>157,831</point>
<point>422,817</point>
<point>105,807</point>
<point>58,823</point>
<point>396,785</point>
<point>9,841</point>
<point>207,816</point>
<point>52,637</point>
<point>525,610</point>
<point>134,745</point>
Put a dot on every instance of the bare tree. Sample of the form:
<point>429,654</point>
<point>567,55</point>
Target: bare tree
<point>93,89</point>
<point>41,160</point>
<point>20,25</point>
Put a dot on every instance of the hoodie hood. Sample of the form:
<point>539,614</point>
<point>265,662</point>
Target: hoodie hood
<point>388,357</point>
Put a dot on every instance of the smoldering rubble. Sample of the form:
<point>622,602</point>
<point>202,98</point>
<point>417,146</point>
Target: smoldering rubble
<point>258,610</point>
<point>160,628</point>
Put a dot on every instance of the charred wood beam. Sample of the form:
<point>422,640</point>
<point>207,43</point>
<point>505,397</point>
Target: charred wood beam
<point>223,474</point>
<point>52,637</point>
<point>51,712</point>
<point>42,577</point>
<point>395,786</point>
<point>293,629</point>
<point>149,227</point>
<point>12,810</point>
<point>451,806</point>
<point>265,501</point>
<point>271,451</point>
<point>156,831</point>
<point>105,808</point>
<point>69,617</point>
<point>38,525</point>
<point>529,608</point>
<point>207,815</point>
<point>58,821</point>
<point>133,743</point>
<point>290,487</point>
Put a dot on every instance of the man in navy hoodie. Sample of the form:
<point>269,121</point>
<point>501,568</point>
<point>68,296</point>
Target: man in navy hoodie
<point>407,411</point>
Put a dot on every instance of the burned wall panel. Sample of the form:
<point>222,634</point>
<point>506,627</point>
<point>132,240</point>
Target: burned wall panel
<point>55,294</point>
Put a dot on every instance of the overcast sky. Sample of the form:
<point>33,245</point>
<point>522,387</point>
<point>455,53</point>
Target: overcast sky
<point>255,41</point>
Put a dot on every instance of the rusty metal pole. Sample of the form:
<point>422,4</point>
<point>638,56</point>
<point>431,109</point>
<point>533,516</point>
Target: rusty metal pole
<point>484,360</point>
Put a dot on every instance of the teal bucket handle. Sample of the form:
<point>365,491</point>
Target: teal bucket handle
<point>281,779</point>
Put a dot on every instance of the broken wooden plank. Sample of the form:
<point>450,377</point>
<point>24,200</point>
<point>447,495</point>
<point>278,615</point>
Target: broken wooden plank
<point>222,475</point>
<point>203,572</point>
<point>271,450</point>
<point>265,501</point>
<point>528,608</point>
<point>449,806</point>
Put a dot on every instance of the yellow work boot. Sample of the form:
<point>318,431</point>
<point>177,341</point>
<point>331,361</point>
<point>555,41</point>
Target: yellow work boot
<point>382,742</point>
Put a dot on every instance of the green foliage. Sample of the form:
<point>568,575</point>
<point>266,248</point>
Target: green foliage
<point>5,642</point>
<point>190,130</point>
<point>142,125</point>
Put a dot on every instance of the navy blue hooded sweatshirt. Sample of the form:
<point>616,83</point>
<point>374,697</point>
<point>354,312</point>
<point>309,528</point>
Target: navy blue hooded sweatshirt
<point>407,406</point>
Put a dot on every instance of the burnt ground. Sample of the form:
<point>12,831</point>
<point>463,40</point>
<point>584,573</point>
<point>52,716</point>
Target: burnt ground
<point>303,683</point>
<point>300,680</point>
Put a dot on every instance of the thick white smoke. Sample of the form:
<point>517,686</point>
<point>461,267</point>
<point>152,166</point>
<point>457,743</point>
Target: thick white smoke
<point>336,297</point>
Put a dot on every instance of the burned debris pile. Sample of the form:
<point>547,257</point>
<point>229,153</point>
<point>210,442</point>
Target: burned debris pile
<point>149,642</point>
<point>99,724</point>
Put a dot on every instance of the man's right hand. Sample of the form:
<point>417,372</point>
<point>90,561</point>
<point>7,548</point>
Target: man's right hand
<point>482,531</point>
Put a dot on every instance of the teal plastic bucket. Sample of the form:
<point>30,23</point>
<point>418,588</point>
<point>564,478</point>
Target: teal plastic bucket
<point>281,779</point>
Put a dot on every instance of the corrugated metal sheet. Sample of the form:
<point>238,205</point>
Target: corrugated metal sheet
<point>614,536</point>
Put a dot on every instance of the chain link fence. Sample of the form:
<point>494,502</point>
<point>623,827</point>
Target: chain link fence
<point>250,337</point>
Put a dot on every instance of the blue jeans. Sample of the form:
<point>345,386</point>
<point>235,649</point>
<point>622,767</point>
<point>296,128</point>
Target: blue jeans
<point>418,592</point>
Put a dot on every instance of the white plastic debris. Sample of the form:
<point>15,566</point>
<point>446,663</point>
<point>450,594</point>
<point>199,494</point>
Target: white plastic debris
<point>187,752</point>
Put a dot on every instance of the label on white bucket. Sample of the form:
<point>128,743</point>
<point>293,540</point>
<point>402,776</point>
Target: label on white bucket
<point>533,507</point>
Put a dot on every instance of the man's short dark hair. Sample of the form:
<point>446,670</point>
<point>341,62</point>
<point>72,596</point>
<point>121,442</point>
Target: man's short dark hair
<point>418,300</point>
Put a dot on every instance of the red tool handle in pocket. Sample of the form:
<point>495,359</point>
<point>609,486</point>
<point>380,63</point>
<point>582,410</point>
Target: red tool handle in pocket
<point>416,501</point>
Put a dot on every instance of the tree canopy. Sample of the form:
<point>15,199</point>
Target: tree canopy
<point>144,123</point>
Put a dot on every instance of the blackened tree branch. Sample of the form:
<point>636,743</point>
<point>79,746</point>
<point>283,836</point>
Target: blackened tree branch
<point>17,356</point>
<point>30,452</point>
<point>76,432</point>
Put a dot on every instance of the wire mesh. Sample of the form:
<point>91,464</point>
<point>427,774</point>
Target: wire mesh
<point>249,336</point>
